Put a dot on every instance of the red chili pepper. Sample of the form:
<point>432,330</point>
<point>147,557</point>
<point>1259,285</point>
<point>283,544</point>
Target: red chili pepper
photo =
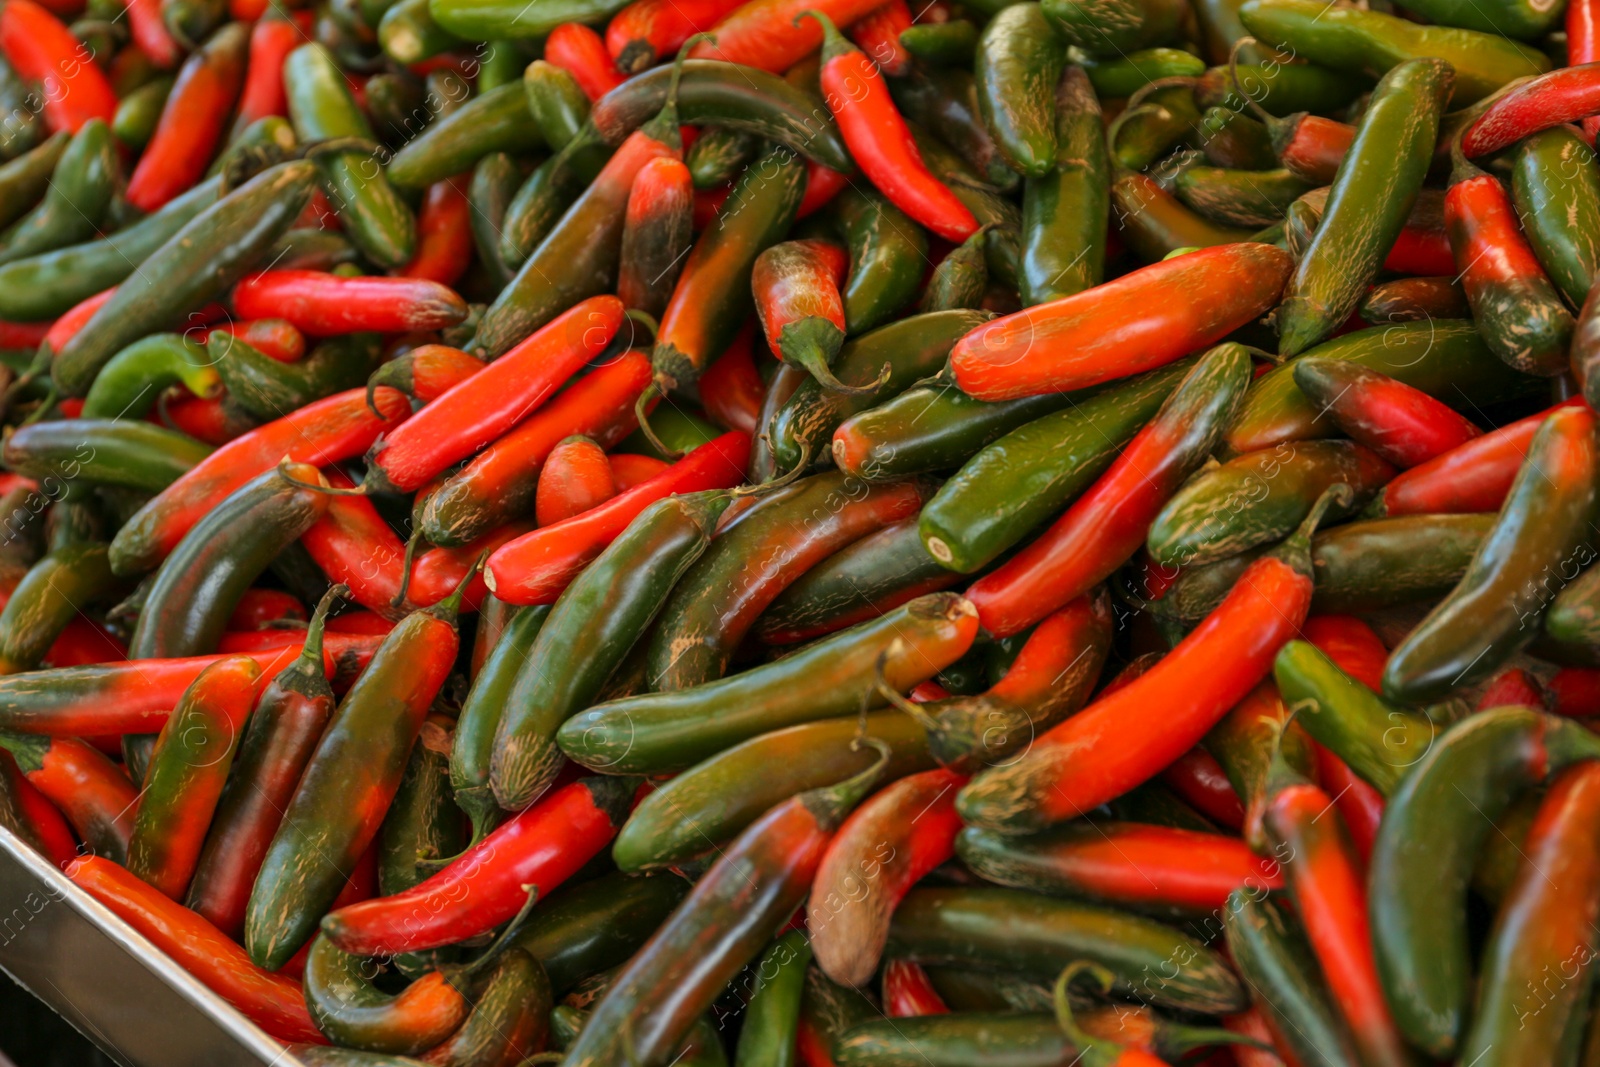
<point>1423,251</point>
<point>908,991</point>
<point>150,35</point>
<point>708,205</point>
<point>885,847</point>
<point>579,51</point>
<point>1314,147</point>
<point>629,470</point>
<point>23,335</point>
<point>323,305</point>
<point>1252,1024</point>
<point>657,232</point>
<point>542,846</point>
<point>1200,781</point>
<point>323,433</point>
<point>1574,692</point>
<point>1124,739</point>
<point>444,236</point>
<point>877,33</point>
<point>822,185</point>
<point>1561,96</point>
<point>1399,422</point>
<point>1359,804</point>
<point>260,609</point>
<point>272,1002</point>
<point>1583,45</point>
<point>1328,884</point>
<point>1475,476</point>
<point>276,338</point>
<point>499,483</point>
<point>438,571</point>
<point>90,790</point>
<point>192,120</point>
<point>356,548</point>
<point>881,142</point>
<point>796,289</point>
<point>271,41</point>
<point>1142,320</point>
<point>731,389</point>
<point>348,652</point>
<point>646,30</point>
<point>51,833</point>
<point>1511,686</point>
<point>44,51</point>
<point>436,369</point>
<point>483,407</point>
<point>537,566</point>
<point>207,419</point>
<point>73,319</point>
<point>765,33</point>
<point>361,622</point>
<point>575,478</point>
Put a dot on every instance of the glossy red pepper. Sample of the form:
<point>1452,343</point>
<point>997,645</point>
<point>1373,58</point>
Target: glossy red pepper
<point>438,571</point>
<point>1574,692</point>
<point>1561,96</point>
<point>271,41</point>
<point>356,548</point>
<point>90,790</point>
<point>150,34</point>
<point>765,33</point>
<point>1400,422</point>
<point>1359,804</point>
<point>1199,779</point>
<point>579,51</point>
<point>20,335</point>
<point>323,305</point>
<point>277,338</point>
<point>1583,45</point>
<point>575,478</point>
<point>646,30</point>
<point>796,289</point>
<point>822,185</point>
<point>444,235</point>
<point>1142,320</point>
<point>731,389</point>
<point>628,469</point>
<point>908,991</point>
<point>1475,476</point>
<point>877,33</point>
<point>881,142</point>
<point>50,831</point>
<point>483,407</point>
<point>192,120</point>
<point>270,1001</point>
<point>45,52</point>
<point>541,846</point>
<point>1511,686</point>
<point>205,419</point>
<point>72,320</point>
<point>1421,250</point>
<point>1313,148</point>
<point>536,567</point>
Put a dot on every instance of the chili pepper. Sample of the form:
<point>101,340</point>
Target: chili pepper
<point>767,35</point>
<point>1238,197</point>
<point>538,566</point>
<point>72,86</point>
<point>785,382</point>
<point>499,484</point>
<point>131,382</point>
<point>1232,139</point>
<point>772,1017</point>
<point>1511,686</point>
<point>495,181</point>
<point>263,388</point>
<point>557,104</point>
<point>1364,566</point>
<point>139,111</point>
<point>961,279</point>
<point>25,179</point>
<point>33,818</point>
<point>1243,742</point>
<point>192,120</point>
<point>1019,60</point>
<point>550,190</point>
<point>952,43</point>
<point>427,372</point>
<point>276,338</point>
<point>1572,691</point>
<point>483,887</point>
<point>1288,987</point>
<point>270,1001</point>
<point>731,391</point>
<point>353,546</point>
<point>263,95</point>
<point>578,258</point>
<point>1064,212</point>
<point>349,1008</point>
<point>887,251</point>
<point>1572,612</point>
<point>278,741</point>
<point>796,289</point>
<point>1442,358</point>
<point>1114,28</point>
<point>727,918</point>
<point>186,774</point>
<point>908,992</point>
<point>444,236</point>
<point>510,1016</point>
<point>630,470</point>
<point>265,609</point>
<point>1269,603</point>
<point>1437,822</point>
<point>1401,423</point>
<point>1414,300</point>
<point>712,802</point>
<point>588,928</point>
<point>1021,479</point>
<point>321,304</point>
<point>1372,42</point>
<point>1103,528</point>
<point>334,815</point>
<point>195,264</point>
<point>1372,193</point>
<point>711,298</point>
<point>439,570</point>
<point>408,34</point>
<point>79,193</point>
<point>645,30</point>
<point>1555,179</point>
<point>1552,99</point>
<point>1489,614</point>
<point>187,607</point>
<point>673,729</point>
<point>47,599</point>
<point>576,478</point>
<point>945,102</point>
<point>656,235</point>
<point>579,51</point>
<point>1199,780</point>
<point>90,790</point>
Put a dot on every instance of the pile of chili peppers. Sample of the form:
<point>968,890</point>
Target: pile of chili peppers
<point>817,532</point>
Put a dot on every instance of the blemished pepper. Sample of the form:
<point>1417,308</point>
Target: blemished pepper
<point>1555,184</point>
<point>1401,423</point>
<point>796,289</point>
<point>656,235</point>
<point>91,791</point>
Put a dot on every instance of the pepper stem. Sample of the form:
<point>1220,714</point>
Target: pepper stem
<point>894,697</point>
<point>28,749</point>
<point>501,942</point>
<point>1233,79</point>
<point>1093,1051</point>
<point>815,362</point>
<point>319,620</point>
<point>1461,168</point>
<point>1172,82</point>
<point>653,391</point>
<point>832,803</point>
<point>447,609</point>
<point>412,544</point>
<point>1296,548</point>
<point>803,465</point>
<point>833,42</point>
<point>325,489</point>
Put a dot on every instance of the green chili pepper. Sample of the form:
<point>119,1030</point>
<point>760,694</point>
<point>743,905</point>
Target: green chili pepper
<point>541,200</point>
<point>1127,74</point>
<point>961,278</point>
<point>498,20</point>
<point>1556,187</point>
<point>719,155</point>
<point>887,255</point>
<point>1239,197</point>
<point>79,193</point>
<point>131,382</point>
<point>423,822</point>
<point>25,179</point>
<point>1065,213</point>
<point>1280,89</point>
<point>772,1017</point>
<point>943,44</point>
<point>269,389</point>
<point>494,182</point>
<point>1115,27</point>
<point>1019,61</point>
<point>1524,20</point>
<point>497,121</point>
<point>1003,251</point>
<point>1236,141</point>
<point>50,596</point>
<point>583,930</point>
<point>115,452</point>
<point>945,102</point>
<point>139,111</point>
<point>347,1004</point>
<point>555,101</point>
<point>409,35</point>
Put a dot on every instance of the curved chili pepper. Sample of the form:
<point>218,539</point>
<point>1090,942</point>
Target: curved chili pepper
<point>756,883</point>
<point>1107,524</point>
<point>536,567</point>
<point>483,887</point>
<point>44,51</point>
<point>1583,45</point>
<point>645,30</point>
<point>574,479</point>
<point>1138,322</point>
<point>1401,423</point>
<point>323,305</point>
<point>186,773</point>
<point>1436,822</point>
<point>1490,614</point>
<point>272,1002</point>
<point>656,235</point>
<point>881,143</point>
<point>510,1017</point>
<point>427,372</point>
<point>579,51</point>
<point>278,741</point>
<point>796,288</point>
<point>1561,96</point>
<point>472,742</point>
<point>1055,779</point>
<point>767,34</point>
<point>48,598</point>
<point>444,235</point>
<point>1555,184</point>
<point>91,791</point>
<point>1200,781</point>
<point>349,1008</point>
<point>774,999</point>
<point>150,34</point>
<point>192,121</point>
<point>1243,744</point>
<point>594,926</point>
<point>354,547</point>
<point>271,41</point>
<point>335,813</point>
